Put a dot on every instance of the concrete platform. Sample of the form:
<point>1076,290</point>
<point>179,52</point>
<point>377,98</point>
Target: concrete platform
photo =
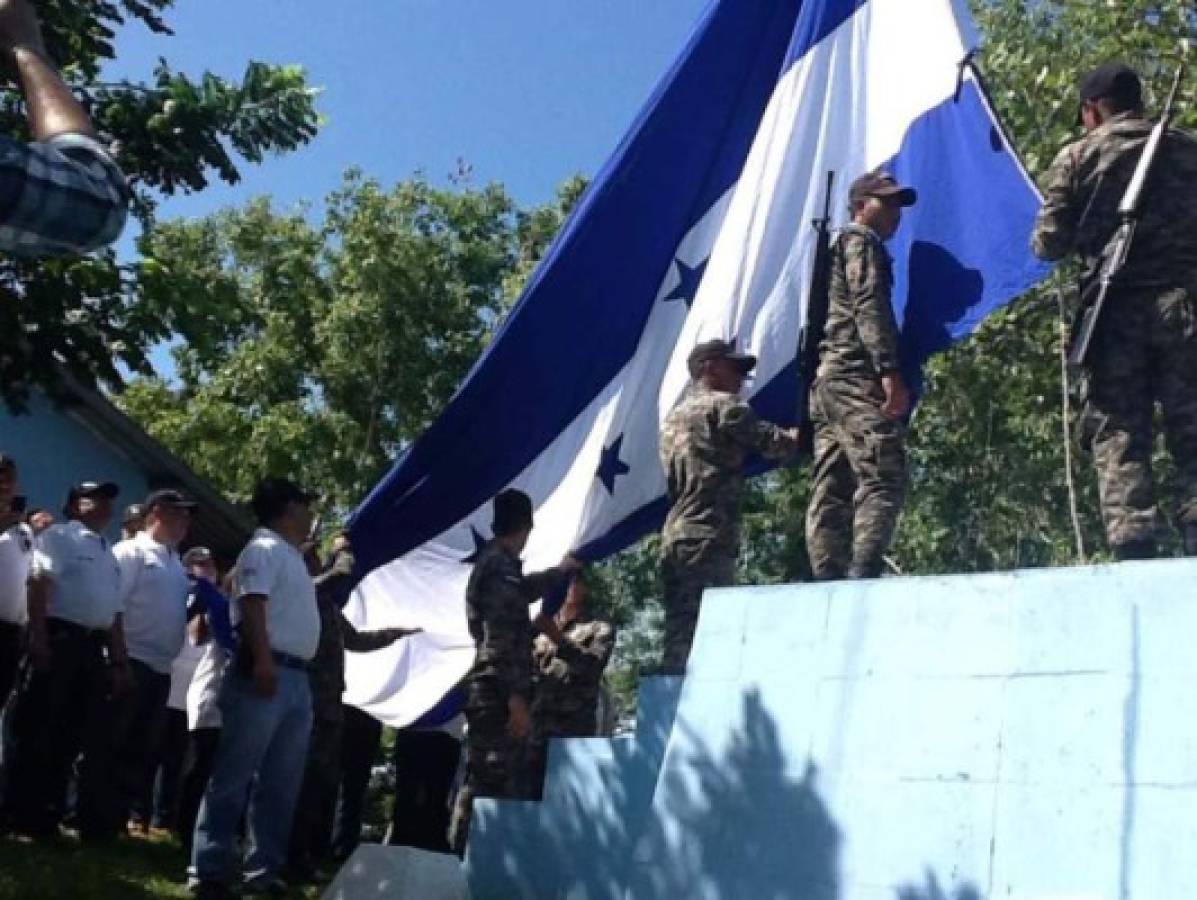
<point>401,873</point>
<point>1030,736</point>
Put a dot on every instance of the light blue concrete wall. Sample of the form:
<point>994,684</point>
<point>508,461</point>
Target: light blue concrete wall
<point>55,451</point>
<point>1024,736</point>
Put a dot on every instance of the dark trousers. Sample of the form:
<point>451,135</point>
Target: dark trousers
<point>193,781</point>
<point>62,712</point>
<point>12,642</point>
<point>425,763</point>
<point>359,748</point>
<point>137,731</point>
<point>168,767</point>
<point>311,834</point>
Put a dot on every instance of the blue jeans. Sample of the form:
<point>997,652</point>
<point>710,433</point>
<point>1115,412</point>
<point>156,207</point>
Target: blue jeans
<point>259,762</point>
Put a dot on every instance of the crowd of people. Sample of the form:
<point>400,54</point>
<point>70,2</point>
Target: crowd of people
<point>146,691</point>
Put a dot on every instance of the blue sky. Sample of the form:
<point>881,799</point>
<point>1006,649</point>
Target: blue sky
<point>527,91</point>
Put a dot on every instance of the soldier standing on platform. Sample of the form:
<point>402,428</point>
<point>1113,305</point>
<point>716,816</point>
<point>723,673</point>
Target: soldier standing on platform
<point>1145,348</point>
<point>704,444</point>
<point>499,685</point>
<point>569,678</point>
<point>859,400</point>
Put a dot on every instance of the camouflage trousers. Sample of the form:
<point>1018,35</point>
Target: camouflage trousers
<point>1144,352</point>
<point>311,831</point>
<point>548,724</point>
<point>689,567</point>
<point>857,482</point>
<point>492,758</point>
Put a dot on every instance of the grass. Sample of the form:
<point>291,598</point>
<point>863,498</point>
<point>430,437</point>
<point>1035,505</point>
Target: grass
<point>133,868</point>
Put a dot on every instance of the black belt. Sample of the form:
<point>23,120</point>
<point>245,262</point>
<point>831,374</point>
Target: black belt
<point>287,661</point>
<point>62,626</point>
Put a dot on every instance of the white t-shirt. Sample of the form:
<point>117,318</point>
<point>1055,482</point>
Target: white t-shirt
<point>270,566</point>
<point>154,590</point>
<point>86,582</point>
<point>16,555</point>
<point>182,670</point>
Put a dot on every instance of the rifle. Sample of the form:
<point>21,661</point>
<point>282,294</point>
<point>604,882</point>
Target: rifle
<point>811,333</point>
<point>1117,251</point>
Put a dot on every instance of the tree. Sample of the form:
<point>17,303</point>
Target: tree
<point>322,350</point>
<point>171,135</point>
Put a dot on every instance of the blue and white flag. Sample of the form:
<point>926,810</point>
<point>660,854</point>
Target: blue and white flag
<point>699,226</point>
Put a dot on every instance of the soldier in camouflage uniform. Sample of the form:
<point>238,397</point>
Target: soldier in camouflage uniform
<point>1145,347</point>
<point>569,678</point>
<point>312,829</point>
<point>704,443</point>
<point>499,684</point>
<point>859,400</point>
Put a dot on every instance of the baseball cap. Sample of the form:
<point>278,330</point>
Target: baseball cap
<point>719,349</point>
<point>883,186</point>
<point>108,489</point>
<point>169,497</point>
<point>197,555</point>
<point>1113,79</point>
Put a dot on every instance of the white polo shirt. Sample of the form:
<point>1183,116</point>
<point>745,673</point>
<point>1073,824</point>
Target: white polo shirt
<point>86,583</point>
<point>154,590</point>
<point>270,566</point>
<point>16,555</point>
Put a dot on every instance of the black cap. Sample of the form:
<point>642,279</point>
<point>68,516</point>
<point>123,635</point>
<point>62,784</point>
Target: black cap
<point>513,512</point>
<point>169,497</point>
<point>1113,80</point>
<point>718,349</point>
<point>197,555</point>
<point>272,495</point>
<point>883,186</point>
<point>134,512</point>
<point>108,489</point>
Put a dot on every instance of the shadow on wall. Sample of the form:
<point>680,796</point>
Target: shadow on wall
<point>735,825</point>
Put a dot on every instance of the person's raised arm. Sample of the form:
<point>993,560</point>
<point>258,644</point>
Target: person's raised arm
<point>53,109</point>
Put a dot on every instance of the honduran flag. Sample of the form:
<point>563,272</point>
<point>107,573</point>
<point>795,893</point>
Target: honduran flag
<point>699,226</point>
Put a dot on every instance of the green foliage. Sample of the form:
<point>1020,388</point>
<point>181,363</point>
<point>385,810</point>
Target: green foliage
<point>322,350</point>
<point>174,134</point>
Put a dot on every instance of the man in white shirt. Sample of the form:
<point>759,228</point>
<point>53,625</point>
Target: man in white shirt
<point>78,662</point>
<point>16,553</point>
<point>153,592</point>
<point>266,702</point>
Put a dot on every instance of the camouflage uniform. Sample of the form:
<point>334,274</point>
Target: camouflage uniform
<point>497,599</point>
<point>859,471</point>
<point>312,831</point>
<point>1145,348</point>
<point>568,681</point>
<point>704,444</point>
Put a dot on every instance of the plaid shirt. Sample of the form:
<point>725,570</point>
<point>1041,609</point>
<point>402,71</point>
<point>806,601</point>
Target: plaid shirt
<point>64,195</point>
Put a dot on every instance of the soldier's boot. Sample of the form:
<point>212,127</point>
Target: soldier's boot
<point>1190,536</point>
<point>1144,548</point>
<point>866,569</point>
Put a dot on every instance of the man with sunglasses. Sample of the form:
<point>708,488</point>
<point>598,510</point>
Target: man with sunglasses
<point>705,442</point>
<point>859,400</point>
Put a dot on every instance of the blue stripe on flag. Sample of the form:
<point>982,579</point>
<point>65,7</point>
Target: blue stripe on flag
<point>816,22</point>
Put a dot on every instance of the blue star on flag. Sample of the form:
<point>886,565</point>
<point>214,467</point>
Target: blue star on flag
<point>690,277</point>
<point>611,466</point>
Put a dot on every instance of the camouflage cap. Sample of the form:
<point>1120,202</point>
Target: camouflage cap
<point>883,186</point>
<point>719,349</point>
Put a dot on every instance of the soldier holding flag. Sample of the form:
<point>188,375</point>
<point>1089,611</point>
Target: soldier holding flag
<point>1145,348</point>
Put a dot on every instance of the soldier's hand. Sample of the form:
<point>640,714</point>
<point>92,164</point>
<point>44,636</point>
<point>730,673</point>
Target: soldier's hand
<point>519,722</point>
<point>395,634</point>
<point>897,396</point>
<point>571,564</point>
<point>122,679</point>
